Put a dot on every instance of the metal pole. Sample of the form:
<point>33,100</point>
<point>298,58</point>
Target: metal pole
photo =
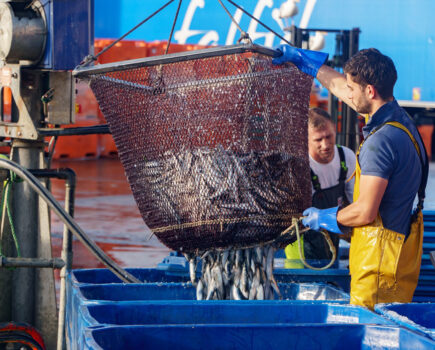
<point>67,253</point>
<point>5,274</point>
<point>67,256</point>
<point>25,208</point>
<point>55,263</point>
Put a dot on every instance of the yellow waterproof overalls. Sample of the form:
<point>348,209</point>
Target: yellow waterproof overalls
<point>384,267</point>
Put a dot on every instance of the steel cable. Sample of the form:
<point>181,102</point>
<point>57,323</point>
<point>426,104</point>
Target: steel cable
<point>243,34</point>
<point>173,26</point>
<point>258,21</point>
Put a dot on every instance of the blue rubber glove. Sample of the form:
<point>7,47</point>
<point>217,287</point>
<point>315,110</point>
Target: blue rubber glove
<point>307,61</point>
<point>317,219</point>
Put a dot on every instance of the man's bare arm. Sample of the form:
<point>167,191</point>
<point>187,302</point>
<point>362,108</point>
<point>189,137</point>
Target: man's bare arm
<point>365,209</point>
<point>335,82</point>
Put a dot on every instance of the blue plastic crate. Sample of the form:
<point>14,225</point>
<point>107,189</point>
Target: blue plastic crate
<point>225,312</point>
<point>253,337</point>
<point>416,316</point>
<point>220,312</point>
<point>101,276</point>
<point>185,291</point>
<point>108,293</point>
<point>175,269</point>
<point>81,294</point>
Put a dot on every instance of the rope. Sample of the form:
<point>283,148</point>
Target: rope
<point>220,222</point>
<point>173,26</point>
<point>258,21</point>
<point>328,240</point>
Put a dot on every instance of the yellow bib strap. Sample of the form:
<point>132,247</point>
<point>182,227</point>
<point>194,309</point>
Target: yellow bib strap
<point>400,126</point>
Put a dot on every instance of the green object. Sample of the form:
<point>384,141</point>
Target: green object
<point>292,255</point>
<point>6,193</point>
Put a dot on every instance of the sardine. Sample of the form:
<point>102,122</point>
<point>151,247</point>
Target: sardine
<point>217,277</point>
<point>260,293</point>
<point>211,290</point>
<point>235,293</point>
<point>192,270</point>
<point>199,290</point>
<point>225,255</point>
<point>238,259</point>
<point>244,282</point>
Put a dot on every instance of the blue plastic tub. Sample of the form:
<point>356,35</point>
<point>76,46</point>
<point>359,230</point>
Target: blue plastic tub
<point>101,276</point>
<point>253,337</point>
<point>83,294</point>
<point>225,312</point>
<point>185,291</point>
<point>108,293</point>
<point>220,312</point>
<point>176,271</point>
<point>416,316</point>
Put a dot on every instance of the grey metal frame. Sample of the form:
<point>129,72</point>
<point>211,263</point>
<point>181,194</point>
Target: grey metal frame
<point>83,72</point>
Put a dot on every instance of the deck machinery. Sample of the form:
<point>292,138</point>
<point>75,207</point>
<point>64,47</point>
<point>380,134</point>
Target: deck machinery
<point>40,43</point>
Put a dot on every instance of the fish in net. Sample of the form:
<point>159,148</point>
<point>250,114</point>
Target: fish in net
<point>214,147</point>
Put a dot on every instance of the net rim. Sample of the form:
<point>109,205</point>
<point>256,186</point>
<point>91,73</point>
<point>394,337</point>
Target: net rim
<point>86,72</point>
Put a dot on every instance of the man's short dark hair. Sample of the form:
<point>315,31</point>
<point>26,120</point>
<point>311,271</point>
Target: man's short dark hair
<point>370,67</point>
<point>318,118</point>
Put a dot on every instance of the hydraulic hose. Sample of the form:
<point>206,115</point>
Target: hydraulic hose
<point>68,220</point>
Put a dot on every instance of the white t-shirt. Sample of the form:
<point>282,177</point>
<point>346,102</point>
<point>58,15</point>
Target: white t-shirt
<point>328,174</point>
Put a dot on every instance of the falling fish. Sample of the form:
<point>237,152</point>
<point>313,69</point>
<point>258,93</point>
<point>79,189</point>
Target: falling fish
<point>241,282</point>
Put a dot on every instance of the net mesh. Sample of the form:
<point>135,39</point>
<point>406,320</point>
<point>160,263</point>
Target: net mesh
<point>214,149</point>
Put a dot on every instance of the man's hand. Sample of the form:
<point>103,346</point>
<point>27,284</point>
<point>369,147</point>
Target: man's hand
<point>307,61</point>
<point>317,219</point>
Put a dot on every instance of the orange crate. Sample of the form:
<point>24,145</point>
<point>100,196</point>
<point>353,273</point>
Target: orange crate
<point>157,48</point>
<point>79,146</point>
<point>426,132</point>
<point>106,146</point>
<point>123,50</point>
<point>87,108</point>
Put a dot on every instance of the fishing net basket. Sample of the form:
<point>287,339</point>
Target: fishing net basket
<point>213,142</point>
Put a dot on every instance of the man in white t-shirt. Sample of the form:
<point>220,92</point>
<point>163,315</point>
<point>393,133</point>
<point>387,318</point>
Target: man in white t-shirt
<point>331,166</point>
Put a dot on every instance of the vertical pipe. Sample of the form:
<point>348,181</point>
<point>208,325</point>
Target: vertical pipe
<point>5,274</point>
<point>353,49</point>
<point>2,113</point>
<point>66,255</point>
<point>25,219</point>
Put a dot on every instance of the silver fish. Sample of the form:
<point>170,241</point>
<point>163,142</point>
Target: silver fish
<point>235,293</point>
<point>217,276</point>
<point>260,292</point>
<point>199,290</point>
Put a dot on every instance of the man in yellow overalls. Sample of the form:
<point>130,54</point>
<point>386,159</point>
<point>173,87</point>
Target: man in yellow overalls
<point>387,234</point>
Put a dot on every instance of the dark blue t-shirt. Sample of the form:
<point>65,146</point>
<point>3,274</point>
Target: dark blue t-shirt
<point>389,153</point>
